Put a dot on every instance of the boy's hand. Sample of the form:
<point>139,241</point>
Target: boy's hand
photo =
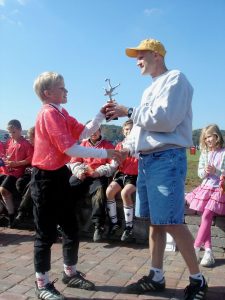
<point>81,176</point>
<point>115,154</point>
<point>125,153</point>
<point>95,174</point>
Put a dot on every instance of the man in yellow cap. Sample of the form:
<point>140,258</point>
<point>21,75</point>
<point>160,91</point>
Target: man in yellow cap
<point>161,133</point>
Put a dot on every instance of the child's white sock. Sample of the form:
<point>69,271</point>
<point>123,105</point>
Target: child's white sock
<point>158,274</point>
<point>197,276</point>
<point>111,207</point>
<point>209,250</point>
<point>128,215</point>
<point>70,270</point>
<point>42,279</point>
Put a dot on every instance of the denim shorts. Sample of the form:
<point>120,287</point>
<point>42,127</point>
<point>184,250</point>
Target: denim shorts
<point>160,186</point>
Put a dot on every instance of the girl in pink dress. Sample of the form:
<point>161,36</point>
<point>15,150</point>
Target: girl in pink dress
<point>209,197</point>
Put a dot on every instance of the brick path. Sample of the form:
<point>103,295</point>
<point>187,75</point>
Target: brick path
<point>110,265</point>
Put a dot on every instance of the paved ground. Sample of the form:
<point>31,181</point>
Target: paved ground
<point>110,265</point>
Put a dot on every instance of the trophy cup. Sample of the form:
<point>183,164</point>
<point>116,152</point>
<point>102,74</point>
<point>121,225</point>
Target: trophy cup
<point>109,92</point>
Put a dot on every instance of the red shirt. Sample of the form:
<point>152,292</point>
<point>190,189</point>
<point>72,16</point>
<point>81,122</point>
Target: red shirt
<point>55,132</point>
<point>17,151</point>
<point>130,165</point>
<point>91,162</point>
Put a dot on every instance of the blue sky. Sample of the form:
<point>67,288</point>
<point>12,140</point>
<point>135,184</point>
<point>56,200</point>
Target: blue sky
<point>85,41</point>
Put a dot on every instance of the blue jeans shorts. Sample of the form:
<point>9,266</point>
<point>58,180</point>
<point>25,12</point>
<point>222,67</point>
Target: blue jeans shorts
<point>160,186</point>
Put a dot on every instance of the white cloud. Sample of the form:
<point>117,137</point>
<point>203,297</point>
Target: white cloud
<point>2,2</point>
<point>152,11</point>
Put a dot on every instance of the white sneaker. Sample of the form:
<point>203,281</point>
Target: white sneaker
<point>208,259</point>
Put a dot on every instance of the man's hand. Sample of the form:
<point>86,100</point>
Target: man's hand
<point>114,110</point>
<point>106,105</point>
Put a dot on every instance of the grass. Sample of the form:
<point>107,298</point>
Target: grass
<point>192,180</point>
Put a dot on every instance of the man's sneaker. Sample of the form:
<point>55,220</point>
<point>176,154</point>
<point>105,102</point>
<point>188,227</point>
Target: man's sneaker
<point>208,259</point>
<point>146,284</point>
<point>196,290</point>
<point>113,228</point>
<point>78,281</point>
<point>98,234</point>
<point>128,232</point>
<point>49,292</point>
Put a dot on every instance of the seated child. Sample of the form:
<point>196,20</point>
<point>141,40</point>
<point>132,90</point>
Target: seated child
<point>91,175</point>
<point>18,155</point>
<point>124,181</point>
<point>23,188</point>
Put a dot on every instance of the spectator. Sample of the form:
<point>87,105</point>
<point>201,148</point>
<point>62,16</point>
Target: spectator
<point>18,155</point>
<point>124,181</point>
<point>23,187</point>
<point>91,175</point>
<point>208,197</point>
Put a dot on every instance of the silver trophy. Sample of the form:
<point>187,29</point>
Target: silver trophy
<point>109,92</point>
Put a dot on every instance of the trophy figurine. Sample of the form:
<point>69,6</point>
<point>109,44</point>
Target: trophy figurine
<point>109,92</point>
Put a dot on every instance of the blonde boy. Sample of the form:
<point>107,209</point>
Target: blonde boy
<point>56,139</point>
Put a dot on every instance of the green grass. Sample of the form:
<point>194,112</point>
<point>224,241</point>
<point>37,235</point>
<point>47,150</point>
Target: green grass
<point>192,180</point>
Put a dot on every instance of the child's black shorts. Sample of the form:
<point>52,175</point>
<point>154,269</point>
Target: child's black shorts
<point>124,179</point>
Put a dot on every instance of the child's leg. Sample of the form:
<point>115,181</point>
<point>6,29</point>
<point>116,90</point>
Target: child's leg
<point>204,232</point>
<point>111,192</point>
<point>8,186</point>
<point>128,204</point>
<point>7,197</point>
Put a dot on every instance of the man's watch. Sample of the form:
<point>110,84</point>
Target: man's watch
<point>129,111</point>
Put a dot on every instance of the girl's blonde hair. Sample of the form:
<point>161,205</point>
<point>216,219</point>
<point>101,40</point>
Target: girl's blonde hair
<point>46,81</point>
<point>211,129</point>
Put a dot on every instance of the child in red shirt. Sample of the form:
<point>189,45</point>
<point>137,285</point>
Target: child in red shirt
<point>91,175</point>
<point>56,139</point>
<point>124,181</point>
<point>18,155</point>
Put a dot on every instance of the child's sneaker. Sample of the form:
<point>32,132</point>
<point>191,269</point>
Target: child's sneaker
<point>196,290</point>
<point>128,232</point>
<point>146,284</point>
<point>113,228</point>
<point>208,259</point>
<point>48,292</point>
<point>98,233</point>
<point>78,281</point>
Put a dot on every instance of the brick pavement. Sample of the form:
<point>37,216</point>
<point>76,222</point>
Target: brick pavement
<point>110,265</point>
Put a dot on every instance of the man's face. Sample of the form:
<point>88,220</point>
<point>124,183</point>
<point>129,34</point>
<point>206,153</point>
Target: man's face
<point>146,62</point>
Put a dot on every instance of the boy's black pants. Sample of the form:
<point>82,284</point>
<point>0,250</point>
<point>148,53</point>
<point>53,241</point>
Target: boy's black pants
<point>53,206</point>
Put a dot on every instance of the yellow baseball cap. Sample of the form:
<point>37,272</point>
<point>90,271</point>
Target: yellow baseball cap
<point>149,44</point>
